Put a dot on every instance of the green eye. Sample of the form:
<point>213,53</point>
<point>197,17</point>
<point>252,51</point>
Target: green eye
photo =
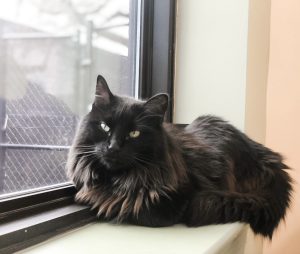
<point>104,127</point>
<point>134,134</point>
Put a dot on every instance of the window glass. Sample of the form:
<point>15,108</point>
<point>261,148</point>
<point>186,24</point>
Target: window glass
<point>50,55</point>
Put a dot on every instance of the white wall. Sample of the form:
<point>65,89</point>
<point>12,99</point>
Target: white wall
<point>222,57</point>
<point>211,59</point>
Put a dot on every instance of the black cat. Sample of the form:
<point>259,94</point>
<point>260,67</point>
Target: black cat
<point>132,167</point>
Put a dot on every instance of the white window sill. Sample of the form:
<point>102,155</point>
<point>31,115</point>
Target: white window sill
<point>126,239</point>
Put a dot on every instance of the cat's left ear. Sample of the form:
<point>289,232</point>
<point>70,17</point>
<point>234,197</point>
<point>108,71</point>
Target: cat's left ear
<point>157,104</point>
<point>103,95</point>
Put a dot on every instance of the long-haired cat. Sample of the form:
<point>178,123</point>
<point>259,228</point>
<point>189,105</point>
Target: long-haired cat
<point>132,167</point>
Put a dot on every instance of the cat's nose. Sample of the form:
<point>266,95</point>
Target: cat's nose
<point>114,146</point>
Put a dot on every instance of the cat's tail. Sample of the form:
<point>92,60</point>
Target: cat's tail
<point>275,193</point>
<point>263,211</point>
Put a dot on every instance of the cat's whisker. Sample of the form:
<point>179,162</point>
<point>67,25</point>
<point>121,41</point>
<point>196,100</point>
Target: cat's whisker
<point>84,147</point>
<point>86,153</point>
<point>142,161</point>
<point>149,160</point>
<point>84,150</point>
<point>88,156</point>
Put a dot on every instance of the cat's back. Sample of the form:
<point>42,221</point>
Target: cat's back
<point>211,134</point>
<point>221,136</point>
<point>212,129</point>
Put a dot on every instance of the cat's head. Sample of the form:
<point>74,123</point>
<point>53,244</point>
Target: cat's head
<point>119,132</point>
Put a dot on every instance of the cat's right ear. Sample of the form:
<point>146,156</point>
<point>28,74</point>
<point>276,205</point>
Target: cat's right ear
<point>103,95</point>
<point>157,104</point>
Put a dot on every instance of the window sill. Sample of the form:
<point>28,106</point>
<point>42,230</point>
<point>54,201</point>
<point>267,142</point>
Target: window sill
<point>32,229</point>
<point>128,239</point>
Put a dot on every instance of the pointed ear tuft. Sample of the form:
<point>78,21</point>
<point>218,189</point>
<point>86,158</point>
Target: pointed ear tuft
<point>157,104</point>
<point>103,94</point>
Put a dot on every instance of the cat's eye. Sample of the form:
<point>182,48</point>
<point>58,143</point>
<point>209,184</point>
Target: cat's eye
<point>104,127</point>
<point>134,134</point>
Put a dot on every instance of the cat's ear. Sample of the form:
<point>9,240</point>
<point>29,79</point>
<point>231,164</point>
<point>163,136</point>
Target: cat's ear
<point>103,95</point>
<point>157,104</point>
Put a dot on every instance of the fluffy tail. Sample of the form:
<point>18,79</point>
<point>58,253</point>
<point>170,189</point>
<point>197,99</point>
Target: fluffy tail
<point>263,209</point>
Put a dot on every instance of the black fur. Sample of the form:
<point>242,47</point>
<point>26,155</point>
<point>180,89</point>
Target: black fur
<point>206,173</point>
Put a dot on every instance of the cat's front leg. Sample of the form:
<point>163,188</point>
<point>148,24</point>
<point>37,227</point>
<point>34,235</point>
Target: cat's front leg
<point>166,212</point>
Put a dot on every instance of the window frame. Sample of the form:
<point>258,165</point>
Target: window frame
<point>157,51</point>
<point>155,75</point>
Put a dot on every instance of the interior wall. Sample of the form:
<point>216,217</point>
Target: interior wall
<point>222,66</point>
<point>256,87</point>
<point>257,69</point>
<point>211,60</point>
<point>283,111</point>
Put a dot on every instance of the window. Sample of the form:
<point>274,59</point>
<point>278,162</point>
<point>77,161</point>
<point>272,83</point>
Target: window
<point>50,55</point>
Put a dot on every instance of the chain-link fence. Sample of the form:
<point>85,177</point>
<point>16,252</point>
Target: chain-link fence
<point>39,130</point>
<point>46,83</point>
<point>38,91</point>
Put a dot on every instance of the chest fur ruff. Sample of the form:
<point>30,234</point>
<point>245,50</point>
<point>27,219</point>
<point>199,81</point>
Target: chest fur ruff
<point>116,204</point>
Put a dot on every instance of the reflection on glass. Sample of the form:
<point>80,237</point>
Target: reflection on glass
<point>50,55</point>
